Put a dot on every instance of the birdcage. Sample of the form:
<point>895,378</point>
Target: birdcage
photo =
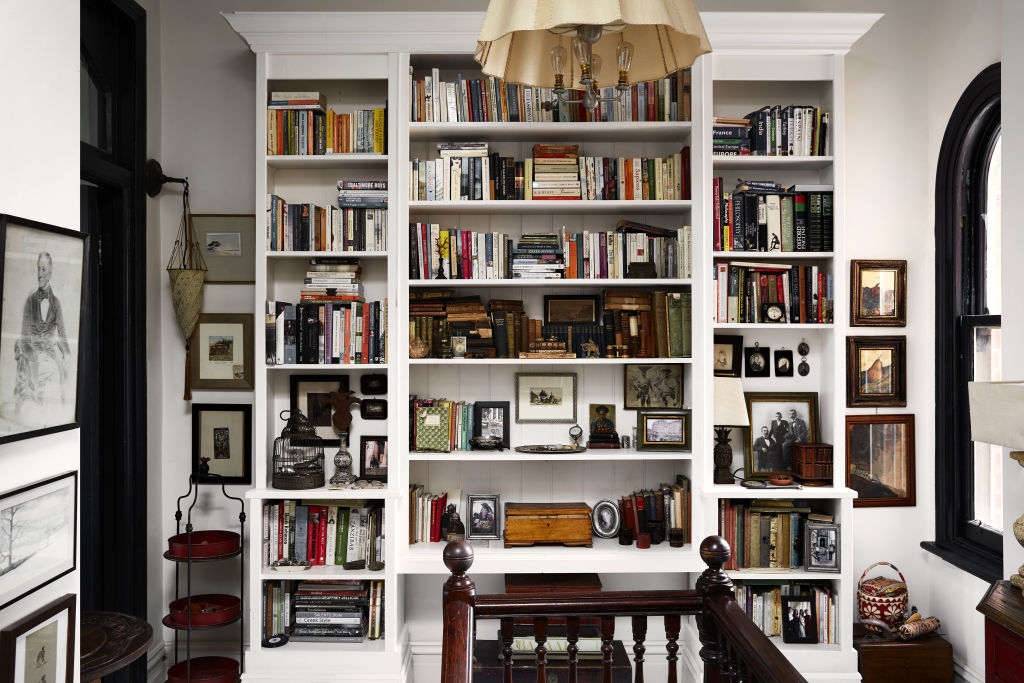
<point>298,454</point>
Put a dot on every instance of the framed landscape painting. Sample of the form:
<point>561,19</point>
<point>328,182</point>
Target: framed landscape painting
<point>878,293</point>
<point>876,371</point>
<point>880,460</point>
<point>545,397</point>
<point>222,352</point>
<point>229,246</point>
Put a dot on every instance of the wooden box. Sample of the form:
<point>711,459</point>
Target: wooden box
<point>927,658</point>
<point>812,462</point>
<point>530,523</point>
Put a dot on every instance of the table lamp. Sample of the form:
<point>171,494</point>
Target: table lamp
<point>730,411</point>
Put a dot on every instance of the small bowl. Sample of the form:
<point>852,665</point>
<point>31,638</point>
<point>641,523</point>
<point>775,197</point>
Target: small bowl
<point>781,480</point>
<point>207,610</point>
<point>485,443</point>
<point>205,545</point>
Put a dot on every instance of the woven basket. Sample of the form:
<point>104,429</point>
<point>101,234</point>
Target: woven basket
<point>882,599</point>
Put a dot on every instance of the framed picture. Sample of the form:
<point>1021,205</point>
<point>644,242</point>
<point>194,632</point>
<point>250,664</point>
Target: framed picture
<point>778,420</point>
<point>821,547</point>
<point>373,384</point>
<point>878,293</point>
<point>799,619</point>
<point>571,308</point>
<point>221,352</point>
<point>606,519</point>
<point>728,355</point>
<point>601,417</point>
<point>483,523</point>
<point>783,363</point>
<point>653,386</point>
<point>373,458</point>
<point>491,418</point>
<point>229,246</point>
<point>880,460</point>
<point>545,397</point>
<point>38,527</point>
<point>663,431</point>
<point>222,434</point>
<point>41,647</point>
<point>40,318</point>
<point>876,371</point>
<point>757,361</point>
<point>308,393</point>
<point>373,409</point>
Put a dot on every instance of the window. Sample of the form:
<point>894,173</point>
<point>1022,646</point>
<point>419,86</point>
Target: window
<point>968,480</point>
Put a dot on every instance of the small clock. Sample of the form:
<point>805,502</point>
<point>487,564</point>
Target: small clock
<point>773,313</point>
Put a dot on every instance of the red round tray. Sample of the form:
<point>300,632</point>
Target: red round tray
<point>206,669</point>
<point>207,610</point>
<point>205,545</point>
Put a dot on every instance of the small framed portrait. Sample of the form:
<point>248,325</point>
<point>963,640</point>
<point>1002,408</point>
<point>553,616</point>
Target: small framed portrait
<point>40,648</point>
<point>571,308</point>
<point>880,460</point>
<point>373,409</point>
<point>728,355</point>
<point>458,346</point>
<point>821,547</point>
<point>757,361</point>
<point>654,386</point>
<point>778,419</point>
<point>601,417</point>
<point>606,519</point>
<point>876,371</point>
<point>229,246</point>
<point>491,419</point>
<point>373,458</point>
<point>878,293</point>
<point>221,434</point>
<point>309,394</point>
<point>545,397</point>
<point>669,431</point>
<point>773,313</point>
<point>799,619</point>
<point>221,352</point>
<point>483,523</point>
<point>783,363</point>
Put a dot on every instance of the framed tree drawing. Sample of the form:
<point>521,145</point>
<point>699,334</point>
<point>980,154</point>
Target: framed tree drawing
<point>880,460</point>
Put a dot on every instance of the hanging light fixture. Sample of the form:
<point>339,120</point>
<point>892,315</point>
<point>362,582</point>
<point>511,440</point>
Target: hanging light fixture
<point>522,41</point>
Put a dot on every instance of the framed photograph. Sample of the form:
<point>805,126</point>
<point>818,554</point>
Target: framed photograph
<point>821,547</point>
<point>222,433</point>
<point>221,352</point>
<point>728,355</point>
<point>308,393</point>
<point>373,384</point>
<point>880,460</point>
<point>799,619</point>
<point>663,431</point>
<point>571,308</point>
<point>40,318</point>
<point>778,419</point>
<point>483,523</point>
<point>38,527</point>
<point>373,459</point>
<point>653,386</point>
<point>606,519</point>
<point>876,371</point>
<point>783,363</point>
<point>878,293</point>
<point>41,647</point>
<point>601,417</point>
<point>373,409</point>
<point>229,246</point>
<point>757,361</point>
<point>545,397</point>
<point>491,419</point>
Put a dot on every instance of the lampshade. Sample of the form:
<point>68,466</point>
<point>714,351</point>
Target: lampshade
<point>517,36</point>
<point>997,413</point>
<point>730,404</point>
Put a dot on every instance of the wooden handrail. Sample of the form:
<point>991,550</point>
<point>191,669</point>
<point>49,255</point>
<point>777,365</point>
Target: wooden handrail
<point>747,641</point>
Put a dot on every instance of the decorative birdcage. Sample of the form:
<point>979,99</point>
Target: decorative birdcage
<point>298,454</point>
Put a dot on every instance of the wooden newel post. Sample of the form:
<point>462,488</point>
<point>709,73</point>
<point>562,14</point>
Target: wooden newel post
<point>713,583</point>
<point>459,602</point>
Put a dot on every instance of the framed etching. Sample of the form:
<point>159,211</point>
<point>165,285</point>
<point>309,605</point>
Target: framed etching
<point>663,431</point>
<point>41,647</point>
<point>876,371</point>
<point>777,421</point>
<point>728,355</point>
<point>221,352</point>
<point>878,293</point>
<point>308,393</point>
<point>229,246</point>
<point>880,460</point>
<point>40,318</point>
<point>545,397</point>
<point>222,435</point>
<point>653,386</point>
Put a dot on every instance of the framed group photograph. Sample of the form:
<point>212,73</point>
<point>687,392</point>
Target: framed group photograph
<point>606,519</point>
<point>309,393</point>
<point>545,397</point>
<point>373,458</point>
<point>229,246</point>
<point>821,547</point>
<point>878,293</point>
<point>728,355</point>
<point>491,419</point>
<point>484,512</point>
<point>653,386</point>
<point>41,647</point>
<point>40,319</point>
<point>777,421</point>
<point>221,352</point>
<point>571,308</point>
<point>880,460</point>
<point>876,372</point>
<point>37,535</point>
<point>665,431</point>
<point>222,434</point>
<point>799,619</point>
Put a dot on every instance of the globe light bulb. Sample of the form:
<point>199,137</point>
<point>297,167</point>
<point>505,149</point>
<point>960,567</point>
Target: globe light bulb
<point>559,58</point>
<point>582,50</point>
<point>624,55</point>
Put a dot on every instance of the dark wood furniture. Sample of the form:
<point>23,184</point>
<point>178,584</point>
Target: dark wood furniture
<point>733,648</point>
<point>1003,607</point>
<point>489,668</point>
<point>110,642</point>
<point>881,660</point>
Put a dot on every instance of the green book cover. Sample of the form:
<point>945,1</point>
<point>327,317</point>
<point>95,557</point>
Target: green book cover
<point>675,325</point>
<point>788,234</point>
<point>432,428</point>
<point>342,536</point>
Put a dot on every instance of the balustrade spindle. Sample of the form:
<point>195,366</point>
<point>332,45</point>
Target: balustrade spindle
<point>506,649</point>
<point>672,622</point>
<point>607,633</point>
<point>572,635</point>
<point>540,633</point>
<point>639,636</point>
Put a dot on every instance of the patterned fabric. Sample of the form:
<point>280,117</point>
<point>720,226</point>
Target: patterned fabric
<point>432,428</point>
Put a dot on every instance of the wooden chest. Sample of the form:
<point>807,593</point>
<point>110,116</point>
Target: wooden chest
<point>1003,607</point>
<point>812,462</point>
<point>928,658</point>
<point>530,523</point>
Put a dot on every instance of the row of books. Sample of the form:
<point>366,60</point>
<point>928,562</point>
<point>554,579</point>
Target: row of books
<point>428,513</point>
<point>338,611</point>
<point>318,132</point>
<point>765,534</point>
<point>442,425</point>
<point>492,99</point>
<point>322,534</point>
<point>766,216</point>
<point>637,178</point>
<point>773,130</point>
<point>326,328</point>
<point>762,601</point>
<point>748,292</point>
<point>658,511</point>
<point>308,227</point>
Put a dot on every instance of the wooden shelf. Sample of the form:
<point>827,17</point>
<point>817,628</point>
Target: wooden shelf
<point>580,282</point>
<point>326,160</point>
<point>544,361</point>
<point>561,207</point>
<point>772,255</point>
<point>320,494</point>
<point>322,254</point>
<point>512,455</point>
<point>771,162</point>
<point>773,326</point>
<point>807,492</point>
<point>612,131</point>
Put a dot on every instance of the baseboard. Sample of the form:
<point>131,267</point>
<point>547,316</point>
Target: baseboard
<point>156,666</point>
<point>966,673</point>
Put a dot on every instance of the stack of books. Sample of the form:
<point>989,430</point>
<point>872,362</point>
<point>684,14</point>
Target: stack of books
<point>766,534</point>
<point>461,172</point>
<point>745,291</point>
<point>636,178</point>
<point>773,130</point>
<point>538,256</point>
<point>648,324</point>
<point>299,122</point>
<point>657,511</point>
<point>326,328</point>
<point>556,172</point>
<point>331,611</point>
<point>730,137</point>
<point>439,252</point>
<point>762,601</point>
<point>332,278</point>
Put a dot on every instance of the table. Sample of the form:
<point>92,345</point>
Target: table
<point>110,642</point>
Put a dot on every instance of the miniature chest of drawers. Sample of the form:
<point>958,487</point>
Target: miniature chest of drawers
<point>1003,607</point>
<point>928,658</point>
<point>530,523</point>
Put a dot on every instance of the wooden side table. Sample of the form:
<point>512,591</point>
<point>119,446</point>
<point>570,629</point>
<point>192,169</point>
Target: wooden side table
<point>110,642</point>
<point>1003,607</point>
<point>927,658</point>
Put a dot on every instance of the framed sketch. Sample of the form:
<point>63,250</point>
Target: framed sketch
<point>878,293</point>
<point>221,352</point>
<point>41,647</point>
<point>229,246</point>
<point>308,393</point>
<point>728,355</point>
<point>653,386</point>
<point>668,431</point>
<point>38,527</point>
<point>756,360</point>
<point>545,397</point>
<point>777,421</point>
<point>876,371</point>
<point>483,522</point>
<point>571,308</point>
<point>799,619</point>
<point>880,460</point>
<point>40,318</point>
<point>491,419</point>
<point>821,547</point>
<point>606,519</point>
<point>373,458</point>
<point>222,435</point>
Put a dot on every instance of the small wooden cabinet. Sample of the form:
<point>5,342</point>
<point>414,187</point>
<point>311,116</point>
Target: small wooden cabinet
<point>928,658</point>
<point>1003,607</point>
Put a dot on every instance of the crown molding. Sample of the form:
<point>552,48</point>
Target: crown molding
<point>740,33</point>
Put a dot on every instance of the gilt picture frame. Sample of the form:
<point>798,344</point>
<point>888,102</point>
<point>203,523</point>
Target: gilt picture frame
<point>878,293</point>
<point>880,463</point>
<point>876,371</point>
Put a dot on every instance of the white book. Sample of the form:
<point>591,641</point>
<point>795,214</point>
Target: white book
<point>638,179</point>
<point>446,179</point>
<point>452,101</point>
<point>486,177</point>
<point>773,211</point>
<point>435,101</point>
<point>528,103</point>
<point>352,545</point>
<point>439,167</point>
<point>431,167</point>
<point>428,97</point>
<point>332,534</point>
<point>266,534</point>
<point>456,178</point>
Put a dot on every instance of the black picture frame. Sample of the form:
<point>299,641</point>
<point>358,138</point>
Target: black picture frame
<point>479,417</point>
<point>768,449</point>
<point>782,362</point>
<point>572,308</point>
<point>757,361</point>
<point>800,607</point>
<point>652,386</point>
<point>371,448</point>
<point>773,313</point>
<point>302,397</point>
<point>208,340</point>
<point>373,384</point>
<point>34,631</point>
<point>727,355</point>
<point>483,516</point>
<point>216,439</point>
<point>373,409</point>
